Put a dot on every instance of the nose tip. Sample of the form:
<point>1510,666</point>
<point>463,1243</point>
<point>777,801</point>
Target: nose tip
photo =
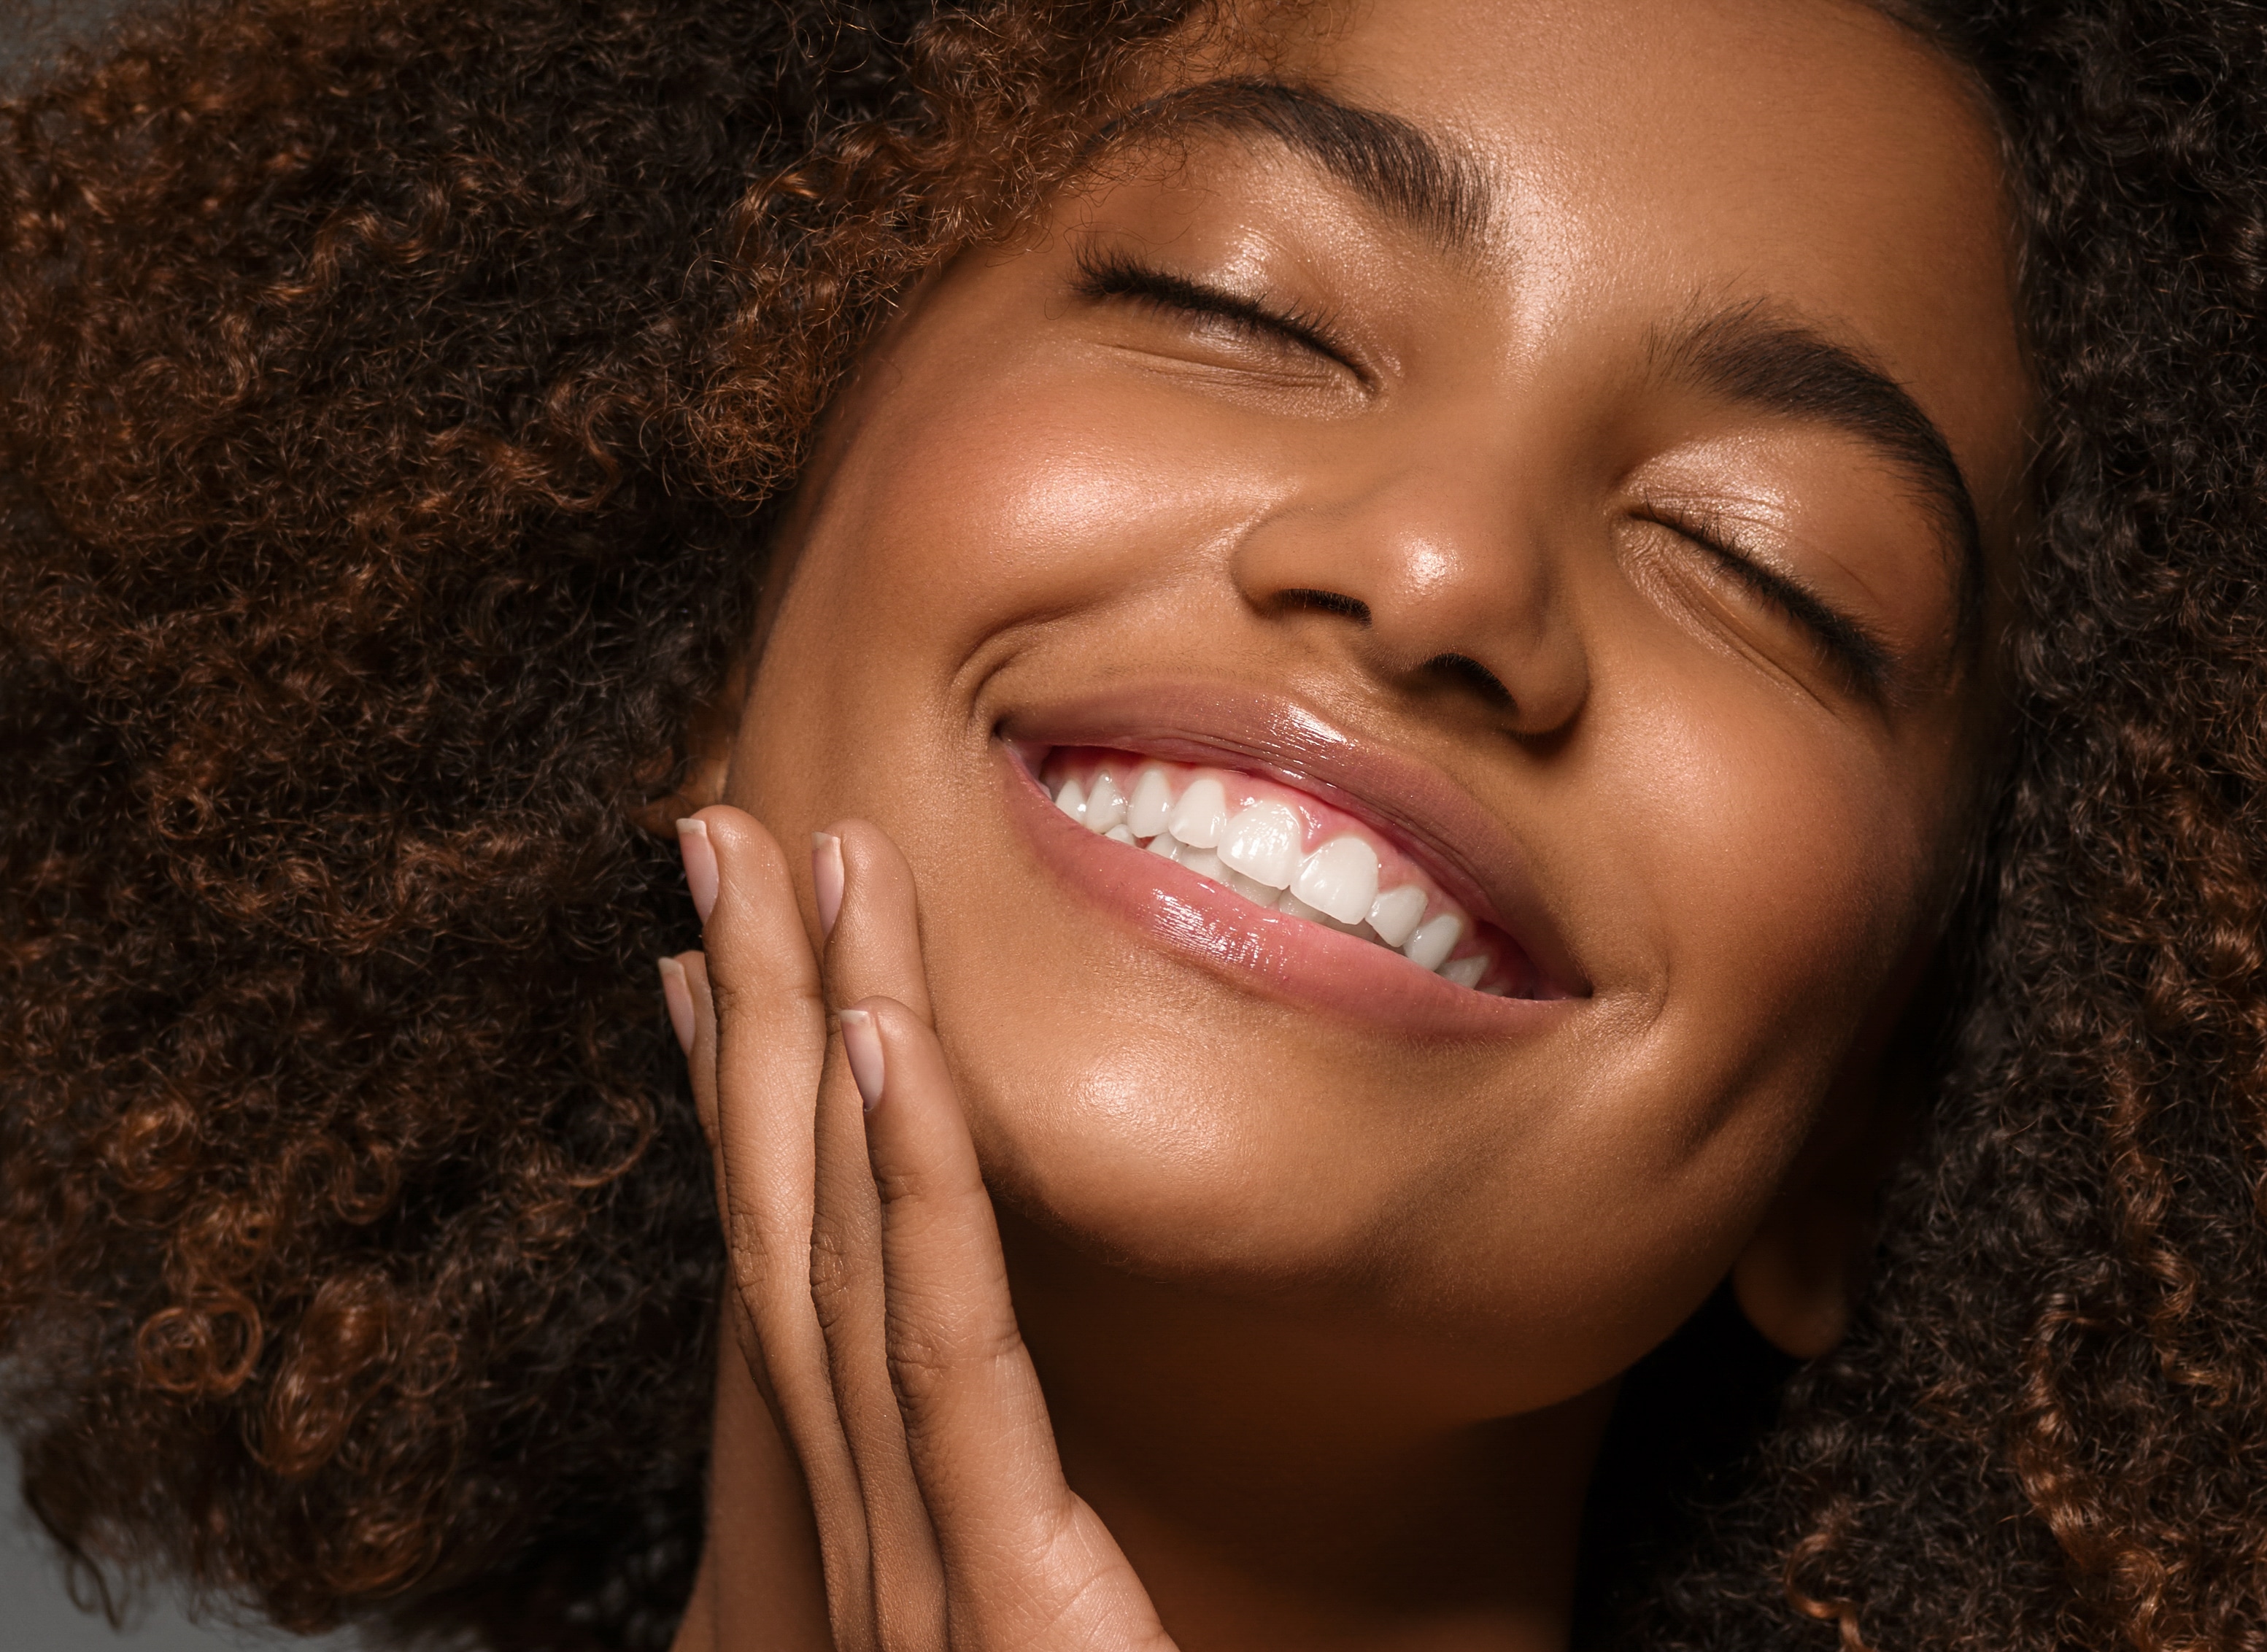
<point>1431,593</point>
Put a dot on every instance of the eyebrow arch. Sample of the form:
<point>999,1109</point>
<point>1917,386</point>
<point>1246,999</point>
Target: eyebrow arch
<point>1394,165</point>
<point>1753,357</point>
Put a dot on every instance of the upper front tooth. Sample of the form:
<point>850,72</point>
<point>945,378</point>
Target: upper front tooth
<point>1396,914</point>
<point>1153,801</point>
<point>1201,813</point>
<point>1340,878</point>
<point>1072,800</point>
<point>1105,805</point>
<point>1436,938</point>
<point>1262,842</point>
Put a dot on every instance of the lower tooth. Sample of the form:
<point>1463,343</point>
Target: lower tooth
<point>1291,905</point>
<point>1164,844</point>
<point>1119,834</point>
<point>1251,888</point>
<point>1203,863</point>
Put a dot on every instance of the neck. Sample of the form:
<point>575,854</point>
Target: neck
<point>1272,1480</point>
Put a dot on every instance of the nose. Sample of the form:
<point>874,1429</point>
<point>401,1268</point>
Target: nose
<point>1430,576</point>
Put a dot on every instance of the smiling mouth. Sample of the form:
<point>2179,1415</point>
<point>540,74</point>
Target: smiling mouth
<point>1291,853</point>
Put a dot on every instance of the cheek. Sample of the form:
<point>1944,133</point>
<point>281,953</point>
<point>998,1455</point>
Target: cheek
<point>1775,864</point>
<point>1041,492</point>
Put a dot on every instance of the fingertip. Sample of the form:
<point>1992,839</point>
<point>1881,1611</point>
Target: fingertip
<point>828,878</point>
<point>861,1044</point>
<point>695,966</point>
<point>678,995</point>
<point>699,854</point>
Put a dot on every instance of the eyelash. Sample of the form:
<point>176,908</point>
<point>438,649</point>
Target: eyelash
<point>1104,275</point>
<point>1849,647</point>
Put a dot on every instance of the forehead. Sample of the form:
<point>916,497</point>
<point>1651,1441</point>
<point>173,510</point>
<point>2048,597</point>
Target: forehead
<point>1644,159</point>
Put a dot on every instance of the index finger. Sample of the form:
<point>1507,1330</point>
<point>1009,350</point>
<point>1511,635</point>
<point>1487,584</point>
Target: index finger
<point>761,1051</point>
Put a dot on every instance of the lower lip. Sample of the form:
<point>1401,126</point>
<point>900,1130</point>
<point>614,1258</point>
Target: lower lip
<point>1281,958</point>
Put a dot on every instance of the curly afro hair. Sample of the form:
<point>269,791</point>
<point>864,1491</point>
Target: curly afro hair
<point>392,395</point>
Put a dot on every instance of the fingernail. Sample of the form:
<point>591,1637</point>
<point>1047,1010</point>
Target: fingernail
<point>826,873</point>
<point>861,1042</point>
<point>677,992</point>
<point>699,864</point>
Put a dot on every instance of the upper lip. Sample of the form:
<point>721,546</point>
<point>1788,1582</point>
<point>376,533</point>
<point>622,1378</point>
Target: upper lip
<point>1465,849</point>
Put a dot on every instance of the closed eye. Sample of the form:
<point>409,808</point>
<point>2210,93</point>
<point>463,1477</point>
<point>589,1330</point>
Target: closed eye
<point>1108,275</point>
<point>1862,658</point>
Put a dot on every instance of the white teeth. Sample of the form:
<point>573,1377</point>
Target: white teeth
<point>1396,914</point>
<point>1340,878</point>
<point>1262,842</point>
<point>1203,863</point>
<point>1250,888</point>
<point>1255,852</point>
<point>1202,814</point>
<point>1153,801</point>
<point>1436,938</point>
<point>1105,805</point>
<point>1465,972</point>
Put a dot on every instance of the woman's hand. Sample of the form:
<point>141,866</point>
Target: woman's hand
<point>870,1295</point>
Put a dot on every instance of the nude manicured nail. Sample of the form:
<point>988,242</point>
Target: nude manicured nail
<point>827,874</point>
<point>677,992</point>
<point>861,1042</point>
<point>699,854</point>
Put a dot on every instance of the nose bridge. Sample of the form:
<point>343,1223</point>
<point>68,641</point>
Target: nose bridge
<point>1432,550</point>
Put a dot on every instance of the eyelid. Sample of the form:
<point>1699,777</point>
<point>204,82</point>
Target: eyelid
<point>1115,275</point>
<point>1863,659</point>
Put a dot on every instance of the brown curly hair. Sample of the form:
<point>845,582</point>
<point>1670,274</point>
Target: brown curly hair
<point>390,396</point>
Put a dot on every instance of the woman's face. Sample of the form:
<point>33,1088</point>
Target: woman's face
<point>1551,461</point>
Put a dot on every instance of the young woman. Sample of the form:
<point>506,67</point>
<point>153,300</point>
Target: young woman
<point>1362,704</point>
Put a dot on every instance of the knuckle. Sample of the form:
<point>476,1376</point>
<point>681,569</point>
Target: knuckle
<point>926,1360</point>
<point>833,1276</point>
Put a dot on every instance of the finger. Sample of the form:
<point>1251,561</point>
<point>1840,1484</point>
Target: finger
<point>691,1017</point>
<point>874,931</point>
<point>687,974</point>
<point>759,1042</point>
<point>1022,1552</point>
<point>873,949</point>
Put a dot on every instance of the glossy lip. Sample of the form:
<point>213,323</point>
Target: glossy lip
<point>1461,844</point>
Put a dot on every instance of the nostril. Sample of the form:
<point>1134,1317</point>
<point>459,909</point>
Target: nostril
<point>1462,668</point>
<point>1326,602</point>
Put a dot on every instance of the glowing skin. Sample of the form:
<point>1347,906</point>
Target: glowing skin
<point>1326,1264</point>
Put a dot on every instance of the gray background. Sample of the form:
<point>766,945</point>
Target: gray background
<point>36,1613</point>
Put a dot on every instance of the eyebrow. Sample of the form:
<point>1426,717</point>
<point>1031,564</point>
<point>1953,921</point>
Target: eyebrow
<point>1393,165</point>
<point>1751,355</point>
